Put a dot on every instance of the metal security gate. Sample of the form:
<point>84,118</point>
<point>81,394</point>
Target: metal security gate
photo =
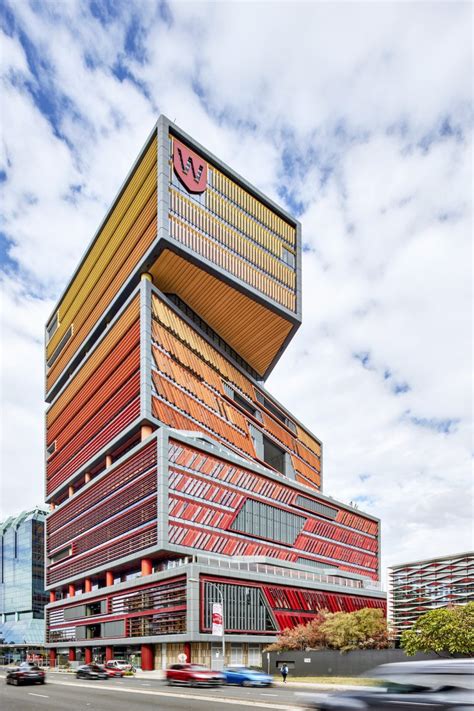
<point>217,661</point>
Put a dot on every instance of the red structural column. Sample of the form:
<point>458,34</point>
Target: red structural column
<point>147,657</point>
<point>52,657</point>
<point>88,655</point>
<point>52,596</point>
<point>109,578</point>
<point>72,654</point>
<point>187,651</point>
<point>109,653</point>
<point>147,566</point>
<point>71,590</point>
<point>87,585</point>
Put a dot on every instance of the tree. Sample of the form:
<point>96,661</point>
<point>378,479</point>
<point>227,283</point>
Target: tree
<point>363,629</point>
<point>449,630</point>
<point>307,636</point>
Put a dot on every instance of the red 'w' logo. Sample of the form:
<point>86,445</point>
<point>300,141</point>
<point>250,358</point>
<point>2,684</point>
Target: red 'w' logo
<point>190,168</point>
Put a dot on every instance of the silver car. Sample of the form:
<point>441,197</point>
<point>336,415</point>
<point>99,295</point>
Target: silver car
<point>436,685</point>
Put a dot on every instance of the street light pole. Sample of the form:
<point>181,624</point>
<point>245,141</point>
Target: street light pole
<point>223,618</point>
<point>219,591</point>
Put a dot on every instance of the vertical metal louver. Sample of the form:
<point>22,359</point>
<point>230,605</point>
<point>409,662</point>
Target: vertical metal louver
<point>257,519</point>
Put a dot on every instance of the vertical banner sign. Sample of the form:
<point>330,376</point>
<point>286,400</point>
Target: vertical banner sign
<point>217,622</point>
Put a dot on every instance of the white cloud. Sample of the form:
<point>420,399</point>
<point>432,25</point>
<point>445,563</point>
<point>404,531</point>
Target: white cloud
<point>362,112</point>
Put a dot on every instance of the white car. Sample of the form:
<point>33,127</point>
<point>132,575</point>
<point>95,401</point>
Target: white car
<point>119,664</point>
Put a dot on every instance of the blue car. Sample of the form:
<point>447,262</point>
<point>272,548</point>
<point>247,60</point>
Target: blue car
<point>243,676</point>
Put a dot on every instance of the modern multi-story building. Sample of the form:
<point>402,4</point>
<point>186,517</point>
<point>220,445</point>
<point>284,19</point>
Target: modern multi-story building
<point>22,593</point>
<point>424,585</point>
<point>173,477</point>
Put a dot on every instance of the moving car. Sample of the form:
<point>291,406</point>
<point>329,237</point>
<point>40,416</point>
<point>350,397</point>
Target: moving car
<point>438,685</point>
<point>193,675</point>
<point>91,671</point>
<point>119,664</point>
<point>26,673</point>
<point>113,670</point>
<point>246,677</point>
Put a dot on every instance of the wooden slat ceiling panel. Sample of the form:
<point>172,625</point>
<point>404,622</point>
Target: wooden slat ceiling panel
<point>255,332</point>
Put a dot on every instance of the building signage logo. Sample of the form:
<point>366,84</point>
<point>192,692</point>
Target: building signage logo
<point>189,167</point>
<point>217,620</point>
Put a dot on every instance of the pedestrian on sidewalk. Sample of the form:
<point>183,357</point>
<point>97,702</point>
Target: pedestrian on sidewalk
<point>284,672</point>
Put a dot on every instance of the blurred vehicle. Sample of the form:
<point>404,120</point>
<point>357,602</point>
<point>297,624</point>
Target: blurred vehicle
<point>113,670</point>
<point>91,671</point>
<point>436,685</point>
<point>119,664</point>
<point>193,675</point>
<point>246,677</point>
<point>26,673</point>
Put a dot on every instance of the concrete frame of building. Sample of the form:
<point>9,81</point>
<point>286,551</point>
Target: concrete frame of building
<point>150,434</point>
<point>195,643</point>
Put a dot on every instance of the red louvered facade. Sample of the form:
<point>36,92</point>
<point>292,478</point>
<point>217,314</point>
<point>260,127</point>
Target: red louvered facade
<point>171,473</point>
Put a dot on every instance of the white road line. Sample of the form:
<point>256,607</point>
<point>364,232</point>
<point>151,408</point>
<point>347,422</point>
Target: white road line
<point>43,696</point>
<point>194,697</point>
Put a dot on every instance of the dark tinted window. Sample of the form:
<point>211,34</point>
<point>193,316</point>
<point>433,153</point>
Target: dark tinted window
<point>265,521</point>
<point>273,455</point>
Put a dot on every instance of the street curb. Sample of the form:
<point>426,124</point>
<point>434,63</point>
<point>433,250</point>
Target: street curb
<point>315,685</point>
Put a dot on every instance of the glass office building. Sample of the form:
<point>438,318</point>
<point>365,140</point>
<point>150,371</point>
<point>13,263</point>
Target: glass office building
<point>22,594</point>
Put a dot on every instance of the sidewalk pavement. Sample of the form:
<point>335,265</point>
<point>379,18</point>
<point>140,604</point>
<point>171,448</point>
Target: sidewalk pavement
<point>155,674</point>
<point>159,675</point>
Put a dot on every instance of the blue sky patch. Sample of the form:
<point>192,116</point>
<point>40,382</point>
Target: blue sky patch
<point>7,264</point>
<point>364,358</point>
<point>106,11</point>
<point>400,388</point>
<point>134,46</point>
<point>446,425</point>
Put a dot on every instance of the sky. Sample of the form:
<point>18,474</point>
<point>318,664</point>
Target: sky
<point>357,117</point>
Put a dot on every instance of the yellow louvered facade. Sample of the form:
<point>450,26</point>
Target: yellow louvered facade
<point>234,230</point>
<point>126,234</point>
<point>242,279</point>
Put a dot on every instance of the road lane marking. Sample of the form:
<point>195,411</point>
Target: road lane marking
<point>43,696</point>
<point>194,697</point>
<point>289,706</point>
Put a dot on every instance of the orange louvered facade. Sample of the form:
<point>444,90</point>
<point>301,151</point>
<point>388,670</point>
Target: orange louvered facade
<point>189,380</point>
<point>161,440</point>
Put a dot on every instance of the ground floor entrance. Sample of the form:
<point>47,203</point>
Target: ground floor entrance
<point>160,656</point>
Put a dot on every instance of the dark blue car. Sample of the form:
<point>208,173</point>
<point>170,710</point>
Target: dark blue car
<point>243,676</point>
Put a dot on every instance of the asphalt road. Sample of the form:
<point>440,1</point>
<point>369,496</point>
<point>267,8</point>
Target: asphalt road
<point>64,692</point>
